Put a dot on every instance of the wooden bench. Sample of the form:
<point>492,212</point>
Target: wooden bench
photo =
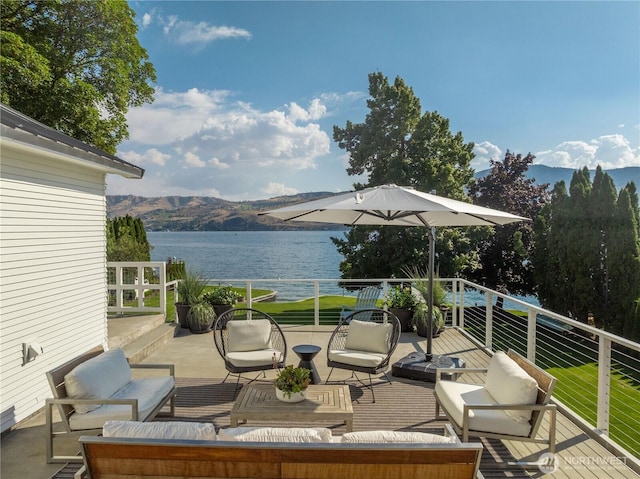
<point>65,404</point>
<point>161,458</point>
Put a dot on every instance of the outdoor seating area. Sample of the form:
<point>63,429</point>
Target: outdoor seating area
<point>402,405</point>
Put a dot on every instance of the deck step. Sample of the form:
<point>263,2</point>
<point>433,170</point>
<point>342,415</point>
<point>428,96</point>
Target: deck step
<point>149,342</point>
<point>126,329</point>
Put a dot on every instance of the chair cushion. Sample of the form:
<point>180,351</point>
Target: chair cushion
<point>249,335</point>
<point>244,359</point>
<point>275,434</point>
<point>385,437</point>
<point>98,378</point>
<point>148,391</point>
<point>453,396</point>
<point>199,431</point>
<point>357,358</point>
<point>508,383</point>
<point>368,336</point>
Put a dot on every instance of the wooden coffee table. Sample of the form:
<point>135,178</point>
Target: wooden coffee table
<point>324,402</point>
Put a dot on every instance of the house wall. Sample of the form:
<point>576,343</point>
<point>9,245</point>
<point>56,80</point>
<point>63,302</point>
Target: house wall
<point>52,270</point>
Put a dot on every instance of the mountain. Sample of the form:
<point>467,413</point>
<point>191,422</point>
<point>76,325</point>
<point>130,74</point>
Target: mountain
<point>199,213</point>
<point>548,174</point>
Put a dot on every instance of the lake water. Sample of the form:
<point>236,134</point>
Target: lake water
<point>256,255</point>
<point>264,255</point>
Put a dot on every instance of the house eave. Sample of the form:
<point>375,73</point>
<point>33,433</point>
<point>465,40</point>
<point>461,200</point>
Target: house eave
<point>24,133</point>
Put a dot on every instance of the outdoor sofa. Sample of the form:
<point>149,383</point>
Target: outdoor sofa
<point>184,449</point>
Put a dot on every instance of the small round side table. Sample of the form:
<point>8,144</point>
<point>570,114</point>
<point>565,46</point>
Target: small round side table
<point>306,353</point>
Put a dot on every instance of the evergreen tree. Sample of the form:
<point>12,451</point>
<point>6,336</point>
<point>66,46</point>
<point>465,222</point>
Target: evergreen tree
<point>127,240</point>
<point>505,254</point>
<point>587,253</point>
<point>395,144</point>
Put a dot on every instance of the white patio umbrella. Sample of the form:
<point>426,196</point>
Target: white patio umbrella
<point>391,205</point>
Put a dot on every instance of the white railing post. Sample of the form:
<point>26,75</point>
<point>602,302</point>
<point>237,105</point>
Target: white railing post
<point>461,316</point>
<point>316,303</point>
<point>454,302</point>
<point>531,335</point>
<point>488,330</point>
<point>249,297</point>
<point>604,383</point>
<point>162,274</point>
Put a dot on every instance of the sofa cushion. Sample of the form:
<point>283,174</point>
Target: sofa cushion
<point>249,335</point>
<point>148,391</point>
<point>453,396</point>
<point>263,357</point>
<point>368,336</point>
<point>98,378</point>
<point>508,383</point>
<point>200,431</point>
<point>275,434</point>
<point>383,437</point>
<point>357,358</point>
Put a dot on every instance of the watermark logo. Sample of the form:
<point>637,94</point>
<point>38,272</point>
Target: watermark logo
<point>548,463</point>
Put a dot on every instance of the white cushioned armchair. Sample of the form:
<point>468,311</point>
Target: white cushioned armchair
<point>248,340</point>
<point>509,405</point>
<point>364,342</point>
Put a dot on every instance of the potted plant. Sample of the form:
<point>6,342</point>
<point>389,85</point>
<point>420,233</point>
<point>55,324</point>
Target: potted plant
<point>420,313</point>
<point>291,383</point>
<point>190,290</point>
<point>222,298</point>
<point>401,301</point>
<point>200,317</point>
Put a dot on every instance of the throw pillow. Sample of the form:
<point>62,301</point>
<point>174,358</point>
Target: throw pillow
<point>368,336</point>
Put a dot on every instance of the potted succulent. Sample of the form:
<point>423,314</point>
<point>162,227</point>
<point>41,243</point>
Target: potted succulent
<point>190,290</point>
<point>201,316</point>
<point>401,301</point>
<point>222,298</point>
<point>291,383</point>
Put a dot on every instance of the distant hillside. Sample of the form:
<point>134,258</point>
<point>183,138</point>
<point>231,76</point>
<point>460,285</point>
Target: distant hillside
<point>198,213</point>
<point>548,174</point>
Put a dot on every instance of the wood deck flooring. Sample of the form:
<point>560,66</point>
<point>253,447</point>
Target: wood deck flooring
<point>404,404</point>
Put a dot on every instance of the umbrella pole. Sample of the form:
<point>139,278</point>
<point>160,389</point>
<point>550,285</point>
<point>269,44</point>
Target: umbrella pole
<point>432,253</point>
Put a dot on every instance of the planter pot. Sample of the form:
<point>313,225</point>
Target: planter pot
<point>405,316</point>
<point>199,328</point>
<point>295,397</point>
<point>422,329</point>
<point>221,308</point>
<point>182,313</point>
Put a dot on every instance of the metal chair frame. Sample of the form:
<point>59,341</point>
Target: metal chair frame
<point>338,339</point>
<point>221,341</point>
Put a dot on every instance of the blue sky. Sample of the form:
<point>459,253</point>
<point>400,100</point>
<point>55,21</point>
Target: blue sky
<point>247,93</point>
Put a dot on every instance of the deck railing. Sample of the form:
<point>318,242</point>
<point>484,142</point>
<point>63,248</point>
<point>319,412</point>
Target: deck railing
<point>598,372</point>
<point>131,287</point>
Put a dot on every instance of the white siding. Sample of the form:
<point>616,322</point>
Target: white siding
<point>52,271</point>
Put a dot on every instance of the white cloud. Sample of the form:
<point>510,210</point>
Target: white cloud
<point>485,152</point>
<point>173,115</point>
<point>191,159</point>
<point>608,151</point>
<point>278,189</point>
<point>198,141</point>
<point>184,32</point>
<point>152,156</point>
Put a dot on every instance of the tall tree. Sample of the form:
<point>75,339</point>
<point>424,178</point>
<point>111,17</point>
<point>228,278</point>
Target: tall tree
<point>396,144</point>
<point>127,240</point>
<point>505,254</point>
<point>76,66</point>
<point>587,257</point>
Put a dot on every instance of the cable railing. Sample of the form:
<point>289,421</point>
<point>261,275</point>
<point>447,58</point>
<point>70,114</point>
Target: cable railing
<point>598,372</point>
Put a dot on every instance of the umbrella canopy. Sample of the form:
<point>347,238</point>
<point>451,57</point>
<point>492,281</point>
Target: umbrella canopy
<point>391,205</point>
